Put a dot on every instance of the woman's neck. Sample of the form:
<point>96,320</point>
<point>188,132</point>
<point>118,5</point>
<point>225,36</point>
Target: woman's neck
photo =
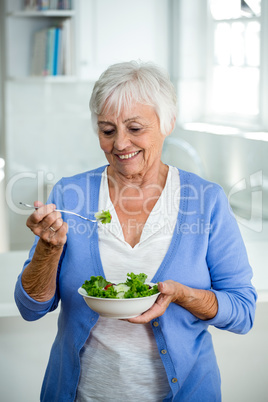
<point>155,177</point>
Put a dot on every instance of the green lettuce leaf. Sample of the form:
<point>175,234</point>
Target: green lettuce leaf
<point>136,283</point>
<point>103,217</point>
<point>95,287</point>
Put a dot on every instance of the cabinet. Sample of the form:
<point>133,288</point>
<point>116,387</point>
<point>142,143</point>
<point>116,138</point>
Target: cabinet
<point>30,51</point>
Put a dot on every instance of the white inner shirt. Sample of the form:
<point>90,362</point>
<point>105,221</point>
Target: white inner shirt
<point>120,360</point>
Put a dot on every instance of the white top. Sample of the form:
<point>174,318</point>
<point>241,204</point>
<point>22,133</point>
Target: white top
<point>121,358</point>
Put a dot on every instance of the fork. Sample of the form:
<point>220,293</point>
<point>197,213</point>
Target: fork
<point>61,210</point>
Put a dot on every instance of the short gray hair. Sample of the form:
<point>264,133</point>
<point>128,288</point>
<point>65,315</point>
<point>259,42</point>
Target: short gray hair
<point>141,82</point>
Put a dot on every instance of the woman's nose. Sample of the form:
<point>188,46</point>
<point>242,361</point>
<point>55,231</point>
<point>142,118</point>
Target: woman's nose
<point>122,140</point>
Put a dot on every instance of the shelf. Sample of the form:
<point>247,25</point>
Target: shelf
<point>45,13</point>
<point>57,79</point>
<point>41,41</point>
<point>262,296</point>
<point>11,310</point>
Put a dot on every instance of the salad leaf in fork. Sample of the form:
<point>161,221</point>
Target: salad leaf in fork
<point>103,217</point>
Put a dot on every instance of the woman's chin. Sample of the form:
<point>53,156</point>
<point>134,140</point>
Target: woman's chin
<point>128,170</point>
<point>126,166</point>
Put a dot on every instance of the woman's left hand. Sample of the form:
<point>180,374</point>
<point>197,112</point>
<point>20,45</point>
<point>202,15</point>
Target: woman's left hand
<point>200,302</point>
<point>169,293</point>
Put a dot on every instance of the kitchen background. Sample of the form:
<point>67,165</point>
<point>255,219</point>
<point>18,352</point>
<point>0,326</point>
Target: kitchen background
<point>216,55</point>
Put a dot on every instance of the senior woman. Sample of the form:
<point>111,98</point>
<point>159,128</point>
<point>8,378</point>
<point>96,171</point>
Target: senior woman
<point>167,223</point>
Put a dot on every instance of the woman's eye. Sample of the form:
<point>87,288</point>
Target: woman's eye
<point>108,132</point>
<point>134,129</point>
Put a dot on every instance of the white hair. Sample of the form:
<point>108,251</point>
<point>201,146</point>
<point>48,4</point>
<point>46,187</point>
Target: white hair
<point>124,83</point>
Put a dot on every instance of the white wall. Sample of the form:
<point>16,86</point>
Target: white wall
<point>121,30</point>
<point>24,350</point>
<point>230,160</point>
<point>190,55</point>
<point>243,360</point>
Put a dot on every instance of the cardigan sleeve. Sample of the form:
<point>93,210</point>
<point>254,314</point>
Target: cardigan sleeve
<point>230,271</point>
<point>29,308</point>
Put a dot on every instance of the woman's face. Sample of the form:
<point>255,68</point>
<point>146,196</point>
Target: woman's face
<point>132,142</point>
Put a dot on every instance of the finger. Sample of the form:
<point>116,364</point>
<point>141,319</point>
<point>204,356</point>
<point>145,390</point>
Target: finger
<point>56,225</point>
<point>147,316</point>
<point>157,309</point>
<point>56,238</point>
<point>41,212</point>
<point>40,222</point>
<point>38,204</point>
<point>166,287</point>
<point>172,289</point>
<point>60,237</point>
<point>53,219</point>
<point>61,232</point>
<point>41,227</point>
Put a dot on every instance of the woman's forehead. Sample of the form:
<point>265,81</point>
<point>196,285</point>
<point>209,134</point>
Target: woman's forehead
<point>133,111</point>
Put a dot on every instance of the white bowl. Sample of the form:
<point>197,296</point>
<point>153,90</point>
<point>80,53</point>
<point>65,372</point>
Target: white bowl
<point>119,308</point>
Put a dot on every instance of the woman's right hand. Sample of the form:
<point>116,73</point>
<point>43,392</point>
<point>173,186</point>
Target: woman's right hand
<point>47,223</point>
<point>39,276</point>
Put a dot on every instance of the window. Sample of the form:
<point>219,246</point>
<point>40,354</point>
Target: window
<point>234,71</point>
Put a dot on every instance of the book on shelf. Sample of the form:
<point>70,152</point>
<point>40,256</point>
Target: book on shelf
<point>67,48</point>
<point>52,53</point>
<point>43,5</point>
<point>39,53</point>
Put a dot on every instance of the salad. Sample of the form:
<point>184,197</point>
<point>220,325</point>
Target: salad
<point>134,287</point>
<point>103,216</point>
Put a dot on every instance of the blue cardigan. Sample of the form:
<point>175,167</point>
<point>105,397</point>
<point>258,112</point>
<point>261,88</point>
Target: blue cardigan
<point>206,252</point>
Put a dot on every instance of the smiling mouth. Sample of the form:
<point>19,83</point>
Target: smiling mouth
<point>128,156</point>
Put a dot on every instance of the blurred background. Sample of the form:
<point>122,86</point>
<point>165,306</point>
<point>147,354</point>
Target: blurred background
<point>51,52</point>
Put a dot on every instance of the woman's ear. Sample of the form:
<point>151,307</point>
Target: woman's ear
<point>172,125</point>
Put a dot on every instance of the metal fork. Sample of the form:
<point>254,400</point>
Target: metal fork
<point>62,210</point>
